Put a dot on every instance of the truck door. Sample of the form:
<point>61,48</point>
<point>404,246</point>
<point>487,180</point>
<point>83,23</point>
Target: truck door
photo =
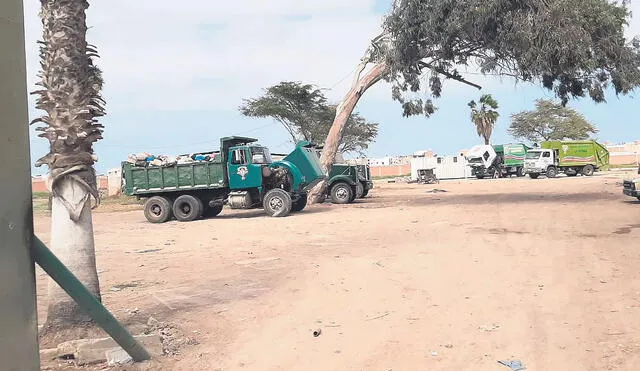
<point>242,174</point>
<point>547,159</point>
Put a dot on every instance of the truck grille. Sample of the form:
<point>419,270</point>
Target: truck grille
<point>629,185</point>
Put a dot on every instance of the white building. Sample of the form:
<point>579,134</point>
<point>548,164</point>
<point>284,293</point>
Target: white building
<point>445,167</point>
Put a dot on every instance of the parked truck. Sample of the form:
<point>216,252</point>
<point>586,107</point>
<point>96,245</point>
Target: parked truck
<point>241,175</point>
<point>568,157</point>
<point>497,161</point>
<point>631,187</point>
<point>347,182</point>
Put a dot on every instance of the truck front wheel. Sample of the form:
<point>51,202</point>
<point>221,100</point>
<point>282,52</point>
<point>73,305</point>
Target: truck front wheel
<point>157,209</point>
<point>187,208</point>
<point>552,172</point>
<point>534,175</point>
<point>359,190</point>
<point>365,192</point>
<point>520,171</point>
<point>341,193</point>
<point>277,202</point>
<point>587,170</point>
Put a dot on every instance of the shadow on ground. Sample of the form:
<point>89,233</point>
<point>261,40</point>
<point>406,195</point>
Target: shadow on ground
<point>510,198</point>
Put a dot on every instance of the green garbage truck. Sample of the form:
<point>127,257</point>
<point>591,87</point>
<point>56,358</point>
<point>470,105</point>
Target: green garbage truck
<point>241,175</point>
<point>569,157</point>
<point>497,161</point>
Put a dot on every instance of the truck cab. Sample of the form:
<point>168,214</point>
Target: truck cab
<point>481,159</point>
<point>347,182</point>
<point>538,161</point>
<point>245,165</point>
<point>631,187</point>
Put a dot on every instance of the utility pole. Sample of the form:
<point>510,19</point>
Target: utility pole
<point>18,314</point>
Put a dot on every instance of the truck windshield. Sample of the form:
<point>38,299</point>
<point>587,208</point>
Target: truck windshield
<point>260,155</point>
<point>533,155</point>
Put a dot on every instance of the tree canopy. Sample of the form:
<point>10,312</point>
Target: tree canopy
<point>306,115</point>
<point>484,117</point>
<point>550,121</point>
<point>573,47</point>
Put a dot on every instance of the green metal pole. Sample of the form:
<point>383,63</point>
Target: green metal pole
<point>63,277</point>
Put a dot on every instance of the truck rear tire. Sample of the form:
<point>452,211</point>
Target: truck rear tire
<point>299,205</point>
<point>534,175</point>
<point>187,208</point>
<point>157,209</point>
<point>341,193</point>
<point>277,202</point>
<point>552,172</point>
<point>359,190</point>
<point>587,170</point>
<point>520,171</point>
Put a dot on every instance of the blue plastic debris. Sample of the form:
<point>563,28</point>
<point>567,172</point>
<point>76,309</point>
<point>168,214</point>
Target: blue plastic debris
<point>514,365</point>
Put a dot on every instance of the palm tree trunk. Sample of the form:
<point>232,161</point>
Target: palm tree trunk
<point>70,96</point>
<point>73,243</point>
<point>343,112</point>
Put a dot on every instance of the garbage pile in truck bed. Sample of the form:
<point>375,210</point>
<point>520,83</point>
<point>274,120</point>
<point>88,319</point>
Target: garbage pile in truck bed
<point>145,159</point>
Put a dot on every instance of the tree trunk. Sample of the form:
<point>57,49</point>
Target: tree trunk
<point>343,111</point>
<point>72,242</point>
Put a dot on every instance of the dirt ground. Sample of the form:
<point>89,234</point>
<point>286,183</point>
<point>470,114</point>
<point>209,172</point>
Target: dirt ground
<point>543,271</point>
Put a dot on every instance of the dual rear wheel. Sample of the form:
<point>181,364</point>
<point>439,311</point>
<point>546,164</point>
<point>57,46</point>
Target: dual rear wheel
<point>185,208</point>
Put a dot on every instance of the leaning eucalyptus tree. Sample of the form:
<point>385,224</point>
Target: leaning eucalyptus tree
<point>573,47</point>
<point>69,94</point>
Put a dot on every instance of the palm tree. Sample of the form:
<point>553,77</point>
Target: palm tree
<point>484,118</point>
<point>70,96</point>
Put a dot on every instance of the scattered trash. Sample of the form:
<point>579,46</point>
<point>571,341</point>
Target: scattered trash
<point>434,354</point>
<point>436,190</point>
<point>146,251</point>
<point>400,179</point>
<point>491,327</point>
<point>317,333</point>
<point>448,345</point>
<point>377,317</point>
<point>514,365</point>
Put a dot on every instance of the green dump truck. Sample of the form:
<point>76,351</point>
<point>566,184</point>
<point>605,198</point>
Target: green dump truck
<point>568,157</point>
<point>241,175</point>
<point>497,161</point>
<point>348,182</point>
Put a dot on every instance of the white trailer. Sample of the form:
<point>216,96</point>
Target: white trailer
<point>445,167</point>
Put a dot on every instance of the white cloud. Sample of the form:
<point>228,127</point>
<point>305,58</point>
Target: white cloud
<point>209,54</point>
<point>203,54</point>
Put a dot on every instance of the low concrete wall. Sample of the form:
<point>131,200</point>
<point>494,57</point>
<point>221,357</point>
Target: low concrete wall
<point>392,170</point>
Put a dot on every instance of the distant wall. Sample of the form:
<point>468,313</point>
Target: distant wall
<point>38,184</point>
<point>392,170</point>
<point>623,158</point>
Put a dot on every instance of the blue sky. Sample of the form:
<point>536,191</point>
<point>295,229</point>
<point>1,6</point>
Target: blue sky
<point>174,76</point>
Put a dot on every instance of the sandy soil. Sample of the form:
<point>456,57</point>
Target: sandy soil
<point>544,271</point>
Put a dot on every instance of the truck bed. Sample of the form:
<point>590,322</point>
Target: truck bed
<point>155,179</point>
